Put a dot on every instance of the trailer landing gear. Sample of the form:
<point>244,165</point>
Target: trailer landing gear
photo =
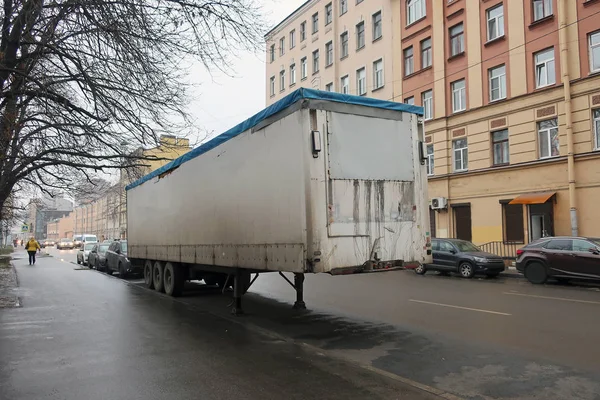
<point>241,284</point>
<point>298,285</point>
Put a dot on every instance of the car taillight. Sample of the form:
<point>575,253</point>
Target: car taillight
<point>520,251</point>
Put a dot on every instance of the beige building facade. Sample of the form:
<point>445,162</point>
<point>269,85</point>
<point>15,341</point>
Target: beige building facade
<point>511,97</point>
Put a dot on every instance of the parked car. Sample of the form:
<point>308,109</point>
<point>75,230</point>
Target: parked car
<point>463,257</point>
<point>117,261</point>
<point>84,252</point>
<point>89,239</point>
<point>65,243</point>
<point>97,256</point>
<point>562,258</point>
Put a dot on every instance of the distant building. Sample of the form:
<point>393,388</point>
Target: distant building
<point>42,211</point>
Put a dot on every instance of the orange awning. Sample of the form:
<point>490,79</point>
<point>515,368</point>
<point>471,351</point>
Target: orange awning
<point>533,198</point>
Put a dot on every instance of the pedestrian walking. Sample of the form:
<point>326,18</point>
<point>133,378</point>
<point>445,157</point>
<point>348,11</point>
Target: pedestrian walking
<point>32,247</point>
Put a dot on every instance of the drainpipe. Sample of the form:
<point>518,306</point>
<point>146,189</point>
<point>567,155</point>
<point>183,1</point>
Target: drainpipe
<point>566,79</point>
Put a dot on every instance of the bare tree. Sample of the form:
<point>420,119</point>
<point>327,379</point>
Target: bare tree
<point>84,83</point>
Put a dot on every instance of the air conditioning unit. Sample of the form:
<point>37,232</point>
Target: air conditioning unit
<point>439,203</point>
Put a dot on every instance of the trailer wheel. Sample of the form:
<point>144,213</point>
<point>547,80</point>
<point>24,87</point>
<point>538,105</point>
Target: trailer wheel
<point>148,274</point>
<point>173,279</point>
<point>157,277</point>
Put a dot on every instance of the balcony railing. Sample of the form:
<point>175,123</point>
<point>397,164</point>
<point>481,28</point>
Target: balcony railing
<point>506,250</point>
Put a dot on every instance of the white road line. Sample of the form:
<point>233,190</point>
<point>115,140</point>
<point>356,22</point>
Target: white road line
<point>552,298</point>
<point>459,307</point>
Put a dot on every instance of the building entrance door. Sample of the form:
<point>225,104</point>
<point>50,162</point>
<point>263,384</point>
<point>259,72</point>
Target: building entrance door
<point>541,220</point>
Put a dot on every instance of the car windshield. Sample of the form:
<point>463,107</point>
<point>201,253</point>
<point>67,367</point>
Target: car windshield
<point>88,247</point>
<point>91,239</point>
<point>466,246</point>
<point>124,247</point>
<point>102,248</point>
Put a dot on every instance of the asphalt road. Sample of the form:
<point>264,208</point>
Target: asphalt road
<point>479,339</point>
<point>81,334</point>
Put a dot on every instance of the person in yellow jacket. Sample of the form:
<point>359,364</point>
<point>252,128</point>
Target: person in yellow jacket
<point>32,247</point>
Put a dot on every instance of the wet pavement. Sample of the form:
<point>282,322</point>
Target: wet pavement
<point>80,335</point>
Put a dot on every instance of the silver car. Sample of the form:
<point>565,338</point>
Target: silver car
<point>84,252</point>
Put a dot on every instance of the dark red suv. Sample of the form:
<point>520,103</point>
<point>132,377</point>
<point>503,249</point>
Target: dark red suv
<point>562,258</point>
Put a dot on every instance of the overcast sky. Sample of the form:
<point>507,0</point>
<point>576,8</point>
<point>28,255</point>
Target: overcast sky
<point>221,101</point>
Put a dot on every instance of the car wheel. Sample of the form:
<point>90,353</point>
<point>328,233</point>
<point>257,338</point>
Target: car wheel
<point>466,270</point>
<point>122,271</point>
<point>78,262</point>
<point>535,273</point>
<point>97,266</point>
<point>108,270</point>
<point>157,277</point>
<point>421,269</point>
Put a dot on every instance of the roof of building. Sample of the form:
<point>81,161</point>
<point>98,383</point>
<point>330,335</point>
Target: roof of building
<point>283,21</point>
<point>287,101</point>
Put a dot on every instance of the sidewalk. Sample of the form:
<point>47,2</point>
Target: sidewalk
<point>8,283</point>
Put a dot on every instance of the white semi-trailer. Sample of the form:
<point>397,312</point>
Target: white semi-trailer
<point>317,182</point>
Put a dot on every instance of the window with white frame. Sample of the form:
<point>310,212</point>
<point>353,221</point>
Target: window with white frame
<point>344,45</point>
<point>292,39</point>
<point>410,100</point>
<point>303,31</point>
<point>303,68</point>
<point>282,80</point>
<point>541,9</point>
<point>459,96</point>
<point>500,147</point>
<point>361,82</point>
<point>426,54</point>
<point>430,161</point>
<point>292,74</point>
<point>329,87</point>
<point>545,73</point>
<point>345,84</point>
<point>377,25</point>
<point>409,61</point>
<point>272,53</point>
<point>378,78</point>
<point>281,46</point>
<point>461,155</point>
<point>548,138</point>
<point>343,7</point>
<point>328,14</point>
<point>595,52</point>
<point>315,23</point>
<point>427,101</point>
<point>495,22</point>
<point>272,86</point>
<point>415,10</point>
<point>328,54</point>
<point>457,40</point>
<point>315,58</point>
<point>596,115</point>
<point>497,78</point>
<point>360,35</point>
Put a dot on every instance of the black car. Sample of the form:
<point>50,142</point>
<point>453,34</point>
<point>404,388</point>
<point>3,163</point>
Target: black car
<point>117,261</point>
<point>463,257</point>
<point>97,257</point>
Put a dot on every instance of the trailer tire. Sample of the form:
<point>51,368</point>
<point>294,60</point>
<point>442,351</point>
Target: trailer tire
<point>158,277</point>
<point>173,279</point>
<point>148,274</point>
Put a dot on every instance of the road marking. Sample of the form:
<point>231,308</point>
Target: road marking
<point>553,298</point>
<point>459,307</point>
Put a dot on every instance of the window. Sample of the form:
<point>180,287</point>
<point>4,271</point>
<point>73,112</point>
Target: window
<point>459,96</point>
<point>303,31</point>
<point>548,138</point>
<point>514,230</point>
<point>292,74</point>
<point>545,73</point>
<point>345,84</point>
<point>409,66</point>
<point>583,245</point>
<point>377,28</point>
<point>282,81</point>
<point>410,100</point>
<point>500,147</point>
<point>597,129</point>
<point>427,101</point>
<point>426,55</point>
<point>343,7</point>
<point>328,14</point>
<point>329,87</point>
<point>429,160</point>
<point>303,68</point>
<point>461,156</point>
<point>360,35</point>
<point>378,78</point>
<point>315,61</point>
<point>344,42</point>
<point>560,245</point>
<point>541,9</point>
<point>497,77</point>
<point>315,23</point>
<point>595,52</point>
<point>272,86</point>
<point>495,22</point>
<point>361,81</point>
<point>457,40</point>
<point>329,54</point>
<point>272,52</point>
<point>416,9</point>
<point>281,46</point>
<point>292,39</point>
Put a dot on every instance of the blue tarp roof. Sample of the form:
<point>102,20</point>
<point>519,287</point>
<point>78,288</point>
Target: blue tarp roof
<point>287,101</point>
